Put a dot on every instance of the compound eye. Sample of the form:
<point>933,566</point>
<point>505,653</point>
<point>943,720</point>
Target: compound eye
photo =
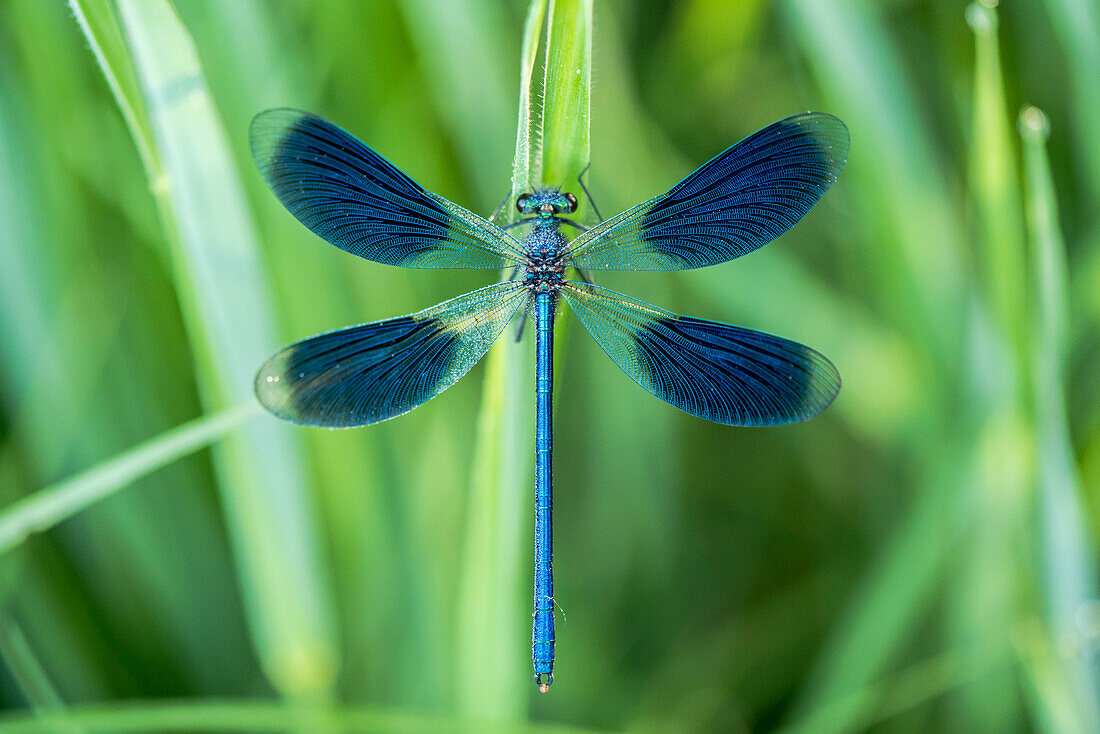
<point>572,202</point>
<point>521,204</point>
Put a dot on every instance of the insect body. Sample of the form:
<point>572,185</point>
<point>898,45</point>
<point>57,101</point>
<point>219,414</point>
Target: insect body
<point>737,202</point>
<point>544,247</point>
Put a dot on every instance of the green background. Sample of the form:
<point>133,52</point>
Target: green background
<point>919,558</point>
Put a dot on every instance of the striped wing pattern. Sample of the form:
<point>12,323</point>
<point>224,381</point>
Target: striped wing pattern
<point>719,372</point>
<point>357,200</point>
<point>369,373</point>
<point>737,202</point>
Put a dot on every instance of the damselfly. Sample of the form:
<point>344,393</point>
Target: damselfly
<point>735,203</point>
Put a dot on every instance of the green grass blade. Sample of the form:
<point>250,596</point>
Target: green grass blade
<point>919,283</point>
<point>1067,549</point>
<point>567,94</point>
<point>492,651</point>
<point>265,69</point>
<point>35,684</point>
<point>503,459</point>
<point>893,164</point>
<point>1077,25</point>
<point>227,312</point>
<point>100,26</point>
<point>471,94</point>
<point>884,699</point>
<point>995,188</point>
<point>1048,249</point>
<point>51,505</point>
<point>529,124</point>
<point>1054,696</point>
<point>988,595</point>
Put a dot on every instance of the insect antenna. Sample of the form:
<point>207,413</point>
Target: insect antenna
<point>571,223</point>
<point>517,223</point>
<point>500,207</point>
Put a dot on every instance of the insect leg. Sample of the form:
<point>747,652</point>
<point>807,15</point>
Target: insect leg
<point>580,180</point>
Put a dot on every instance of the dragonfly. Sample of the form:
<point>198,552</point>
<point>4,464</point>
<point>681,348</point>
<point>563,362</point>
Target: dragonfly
<point>358,201</point>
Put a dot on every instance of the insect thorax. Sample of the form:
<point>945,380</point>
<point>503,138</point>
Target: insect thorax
<point>544,246</point>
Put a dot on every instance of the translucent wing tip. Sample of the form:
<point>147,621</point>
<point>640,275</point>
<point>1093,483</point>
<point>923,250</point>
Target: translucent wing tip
<point>765,380</point>
<point>372,372</point>
<point>268,129</point>
<point>291,397</point>
<point>829,132</point>
<point>273,388</point>
<point>722,373</point>
<point>819,389</point>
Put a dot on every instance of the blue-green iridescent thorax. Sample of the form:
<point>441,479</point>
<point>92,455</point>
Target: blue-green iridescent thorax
<point>544,243</point>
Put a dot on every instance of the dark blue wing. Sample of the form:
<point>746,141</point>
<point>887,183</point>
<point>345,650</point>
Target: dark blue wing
<point>368,373</point>
<point>739,201</point>
<point>358,201</point>
<point>719,372</point>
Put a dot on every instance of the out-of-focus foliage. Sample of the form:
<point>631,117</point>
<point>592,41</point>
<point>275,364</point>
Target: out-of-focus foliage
<point>921,557</point>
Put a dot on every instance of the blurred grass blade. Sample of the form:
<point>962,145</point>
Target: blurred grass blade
<point>995,187</point>
<point>35,684</point>
<point>492,654</point>
<point>1048,250</point>
<point>263,69</point>
<point>1077,23</point>
<point>1054,697</point>
<point>58,502</point>
<point>920,282</point>
<point>895,162</point>
<point>884,699</point>
<point>1068,551</point>
<point>987,596</point>
<point>228,316</point>
<point>472,95</point>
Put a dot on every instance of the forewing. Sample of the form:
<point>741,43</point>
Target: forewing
<point>715,371</point>
<point>368,373</point>
<point>740,200</point>
<point>357,200</point>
